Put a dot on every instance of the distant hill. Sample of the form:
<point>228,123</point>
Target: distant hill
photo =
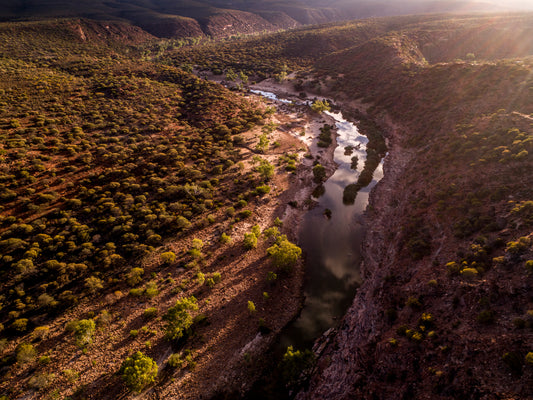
<point>222,18</point>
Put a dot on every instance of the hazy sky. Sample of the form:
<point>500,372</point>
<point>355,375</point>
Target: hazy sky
<point>516,3</point>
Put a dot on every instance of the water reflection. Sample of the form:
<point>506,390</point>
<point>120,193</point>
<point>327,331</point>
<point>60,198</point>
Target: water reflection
<point>332,245</point>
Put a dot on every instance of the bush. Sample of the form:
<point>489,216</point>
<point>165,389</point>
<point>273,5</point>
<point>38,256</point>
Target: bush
<point>319,173</point>
<point>83,331</point>
<point>20,325</point>
<point>40,381</point>
<point>26,353</point>
<point>225,238</point>
<point>469,273</point>
<point>168,257</point>
<point>179,319</point>
<point>134,277</point>
<point>529,266</point>
<point>284,254</point>
<point>251,307</point>
<point>94,284</point>
<point>250,241</point>
<point>150,313</point>
<point>175,361</point>
<point>294,363</point>
<point>138,371</point>
<point>320,106</point>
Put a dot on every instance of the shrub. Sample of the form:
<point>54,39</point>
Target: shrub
<point>251,307</point>
<point>294,363</point>
<point>175,361</point>
<point>271,232</point>
<point>83,331</point>
<point>26,353</point>
<point>319,173</point>
<point>20,325</point>
<point>284,254</point>
<point>151,290</point>
<point>41,332</point>
<point>40,381</point>
<point>71,375</point>
<point>200,278</point>
<point>518,246</point>
<point>44,360</point>
<point>529,266</point>
<point>179,319</point>
<point>262,189</point>
<point>272,276</point>
<point>265,169</point>
<point>94,284</point>
<point>469,273</point>
<point>168,257</point>
<point>225,239</point>
<point>256,230</point>
<point>413,302</point>
<point>150,313</point>
<point>250,241</point>
<point>134,277</point>
<point>320,106</point>
<point>138,371</point>
<point>453,268</point>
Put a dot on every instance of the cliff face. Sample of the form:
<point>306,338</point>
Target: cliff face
<point>445,310</point>
<point>347,359</point>
<point>442,313</point>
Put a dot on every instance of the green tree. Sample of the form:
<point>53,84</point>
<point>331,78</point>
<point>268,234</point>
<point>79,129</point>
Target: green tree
<point>134,277</point>
<point>284,254</point>
<point>263,143</point>
<point>250,241</point>
<point>83,331</point>
<point>168,257</point>
<point>231,75</point>
<point>94,284</point>
<point>294,363</point>
<point>243,77</point>
<point>179,318</point>
<point>319,173</point>
<point>265,169</point>
<point>320,106</point>
<point>138,371</point>
<point>26,353</point>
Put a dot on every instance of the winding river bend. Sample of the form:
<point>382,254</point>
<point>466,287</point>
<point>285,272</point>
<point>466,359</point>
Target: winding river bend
<point>331,235</point>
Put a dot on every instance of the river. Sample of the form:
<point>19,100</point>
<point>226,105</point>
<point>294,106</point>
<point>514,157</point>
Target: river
<point>332,245</point>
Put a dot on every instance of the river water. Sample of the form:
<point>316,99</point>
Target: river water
<point>332,246</point>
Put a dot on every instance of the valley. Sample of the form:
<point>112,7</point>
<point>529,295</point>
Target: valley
<point>145,208</point>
